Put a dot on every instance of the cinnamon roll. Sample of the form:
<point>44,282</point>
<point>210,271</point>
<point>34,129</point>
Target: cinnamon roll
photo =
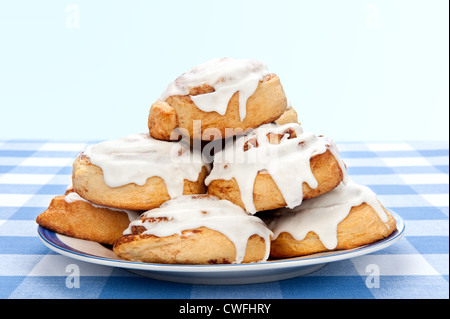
<point>74,216</point>
<point>138,172</point>
<point>196,229</point>
<point>218,99</point>
<point>275,166</point>
<point>349,216</point>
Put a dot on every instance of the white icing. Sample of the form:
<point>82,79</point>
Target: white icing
<point>137,157</point>
<point>322,214</point>
<point>227,76</point>
<point>73,197</point>
<point>288,162</point>
<point>188,212</point>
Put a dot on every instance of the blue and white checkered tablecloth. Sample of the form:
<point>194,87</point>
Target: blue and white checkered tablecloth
<point>412,179</point>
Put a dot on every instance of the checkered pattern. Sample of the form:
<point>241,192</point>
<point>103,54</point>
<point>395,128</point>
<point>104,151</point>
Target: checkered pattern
<point>412,179</point>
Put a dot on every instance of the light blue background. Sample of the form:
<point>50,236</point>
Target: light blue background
<point>354,70</point>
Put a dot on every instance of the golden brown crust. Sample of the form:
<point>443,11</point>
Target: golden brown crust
<point>267,196</point>
<point>289,116</point>
<point>80,219</point>
<point>88,181</point>
<point>196,246</point>
<point>162,121</point>
<point>266,105</point>
<point>362,226</point>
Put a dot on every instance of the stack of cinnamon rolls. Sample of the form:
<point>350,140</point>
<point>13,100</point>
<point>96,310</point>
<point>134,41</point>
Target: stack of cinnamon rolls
<point>225,174</point>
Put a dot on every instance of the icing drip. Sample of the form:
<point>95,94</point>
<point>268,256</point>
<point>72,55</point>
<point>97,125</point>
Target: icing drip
<point>73,197</point>
<point>194,211</point>
<point>135,158</point>
<point>286,159</point>
<point>322,214</point>
<point>227,76</point>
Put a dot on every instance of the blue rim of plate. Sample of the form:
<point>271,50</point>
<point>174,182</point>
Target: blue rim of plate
<point>51,240</point>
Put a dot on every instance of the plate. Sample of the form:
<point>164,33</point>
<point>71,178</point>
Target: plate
<point>231,274</point>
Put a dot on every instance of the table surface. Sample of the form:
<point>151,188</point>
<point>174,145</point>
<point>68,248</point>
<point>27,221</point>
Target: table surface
<point>411,179</point>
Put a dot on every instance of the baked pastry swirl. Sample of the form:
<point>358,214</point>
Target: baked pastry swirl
<point>196,229</point>
<point>74,216</point>
<point>275,166</point>
<point>218,99</point>
<point>349,216</point>
<point>138,172</point>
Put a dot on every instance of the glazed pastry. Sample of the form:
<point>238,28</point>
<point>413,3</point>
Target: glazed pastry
<point>138,172</point>
<point>347,217</point>
<point>275,166</point>
<point>196,229</point>
<point>218,99</point>
<point>73,216</point>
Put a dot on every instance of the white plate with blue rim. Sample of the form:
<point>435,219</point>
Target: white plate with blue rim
<point>230,274</point>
